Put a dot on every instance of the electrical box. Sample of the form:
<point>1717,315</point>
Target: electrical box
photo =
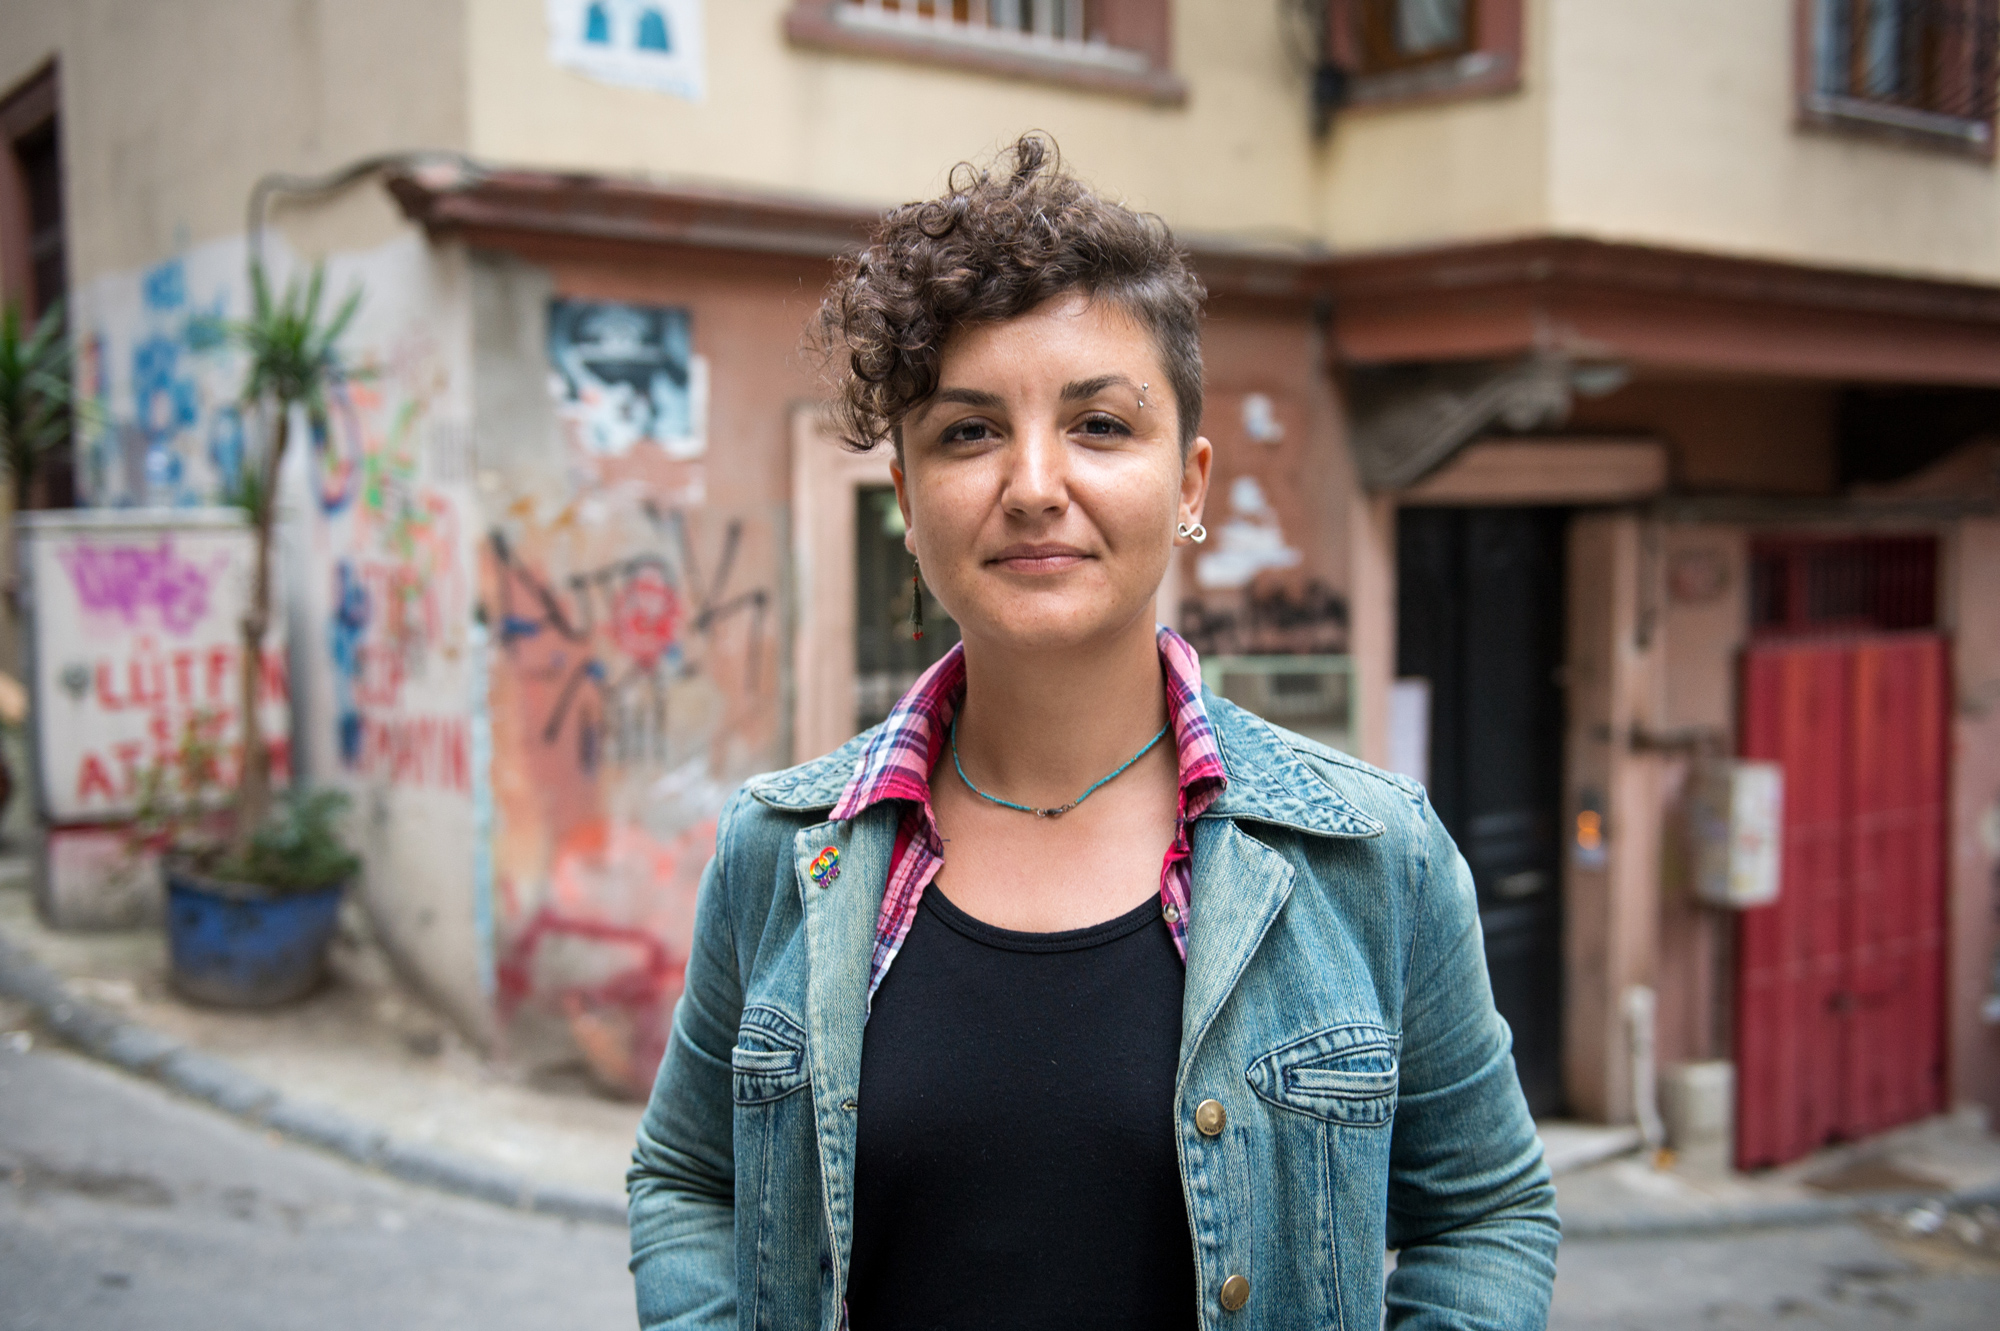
<point>1736,817</point>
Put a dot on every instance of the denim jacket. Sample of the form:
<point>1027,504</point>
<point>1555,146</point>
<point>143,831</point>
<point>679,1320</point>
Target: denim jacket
<point>1336,1005</point>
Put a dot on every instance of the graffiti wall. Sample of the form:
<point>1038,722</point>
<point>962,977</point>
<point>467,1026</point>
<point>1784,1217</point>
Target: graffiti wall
<point>541,658</point>
<point>633,684</point>
<point>383,614</point>
<point>378,528</point>
<point>1263,584</point>
<point>155,356</point>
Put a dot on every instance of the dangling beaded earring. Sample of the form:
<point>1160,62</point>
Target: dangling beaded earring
<point>917,603</point>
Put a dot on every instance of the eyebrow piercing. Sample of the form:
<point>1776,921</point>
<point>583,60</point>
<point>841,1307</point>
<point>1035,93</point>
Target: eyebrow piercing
<point>1142,393</point>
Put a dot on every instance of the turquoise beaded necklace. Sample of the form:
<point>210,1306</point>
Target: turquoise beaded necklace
<point>1060,809</point>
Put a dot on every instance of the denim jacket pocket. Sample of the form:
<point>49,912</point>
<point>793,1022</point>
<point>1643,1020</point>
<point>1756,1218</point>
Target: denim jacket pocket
<point>1345,1074</point>
<point>769,1060</point>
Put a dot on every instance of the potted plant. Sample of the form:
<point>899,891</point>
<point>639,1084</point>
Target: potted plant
<point>246,926</point>
<point>254,877</point>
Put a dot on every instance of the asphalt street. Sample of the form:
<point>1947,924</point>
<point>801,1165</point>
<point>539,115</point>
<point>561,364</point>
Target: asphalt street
<point>1856,1277</point>
<point>122,1206</point>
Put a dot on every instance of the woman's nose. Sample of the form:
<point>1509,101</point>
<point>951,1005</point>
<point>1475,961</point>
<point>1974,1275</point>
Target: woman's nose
<point>1037,482</point>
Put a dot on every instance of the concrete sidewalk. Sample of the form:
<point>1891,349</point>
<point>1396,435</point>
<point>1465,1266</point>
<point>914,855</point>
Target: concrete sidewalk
<point>364,1068</point>
<point>1914,1174</point>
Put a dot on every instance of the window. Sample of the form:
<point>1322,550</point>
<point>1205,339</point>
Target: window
<point>1848,584</point>
<point>1920,68</point>
<point>34,254</point>
<point>1056,22</point>
<point>1399,34</point>
<point>1108,45</point>
<point>1396,51</point>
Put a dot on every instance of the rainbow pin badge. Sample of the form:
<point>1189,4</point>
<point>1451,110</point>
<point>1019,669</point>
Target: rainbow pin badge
<point>825,867</point>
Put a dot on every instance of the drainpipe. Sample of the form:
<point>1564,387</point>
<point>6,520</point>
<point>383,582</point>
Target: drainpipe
<point>332,182</point>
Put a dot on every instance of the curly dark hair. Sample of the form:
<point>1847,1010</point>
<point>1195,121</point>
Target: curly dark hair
<point>999,242</point>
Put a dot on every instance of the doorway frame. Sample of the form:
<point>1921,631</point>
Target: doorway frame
<point>825,478</point>
<point>1613,695</point>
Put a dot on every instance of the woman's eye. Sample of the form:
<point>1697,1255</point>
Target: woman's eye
<point>967,432</point>
<point>1104,427</point>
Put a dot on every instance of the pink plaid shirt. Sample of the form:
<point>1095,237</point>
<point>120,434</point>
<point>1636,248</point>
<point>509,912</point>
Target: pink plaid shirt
<point>897,763</point>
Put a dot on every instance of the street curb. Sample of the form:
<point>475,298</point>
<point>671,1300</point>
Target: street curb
<point>1768,1215</point>
<point>198,1076</point>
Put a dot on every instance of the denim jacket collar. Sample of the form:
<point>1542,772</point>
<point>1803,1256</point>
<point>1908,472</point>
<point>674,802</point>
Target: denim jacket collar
<point>1267,782</point>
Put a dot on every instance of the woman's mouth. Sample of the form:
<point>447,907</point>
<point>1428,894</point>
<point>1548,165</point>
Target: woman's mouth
<point>1038,558</point>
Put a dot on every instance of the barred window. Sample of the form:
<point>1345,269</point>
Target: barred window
<point>1111,45</point>
<point>1847,584</point>
<point>1922,66</point>
<point>1407,52</point>
<point>1399,34</point>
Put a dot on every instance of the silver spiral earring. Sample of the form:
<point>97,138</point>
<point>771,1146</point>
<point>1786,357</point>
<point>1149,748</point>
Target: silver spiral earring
<point>1196,533</point>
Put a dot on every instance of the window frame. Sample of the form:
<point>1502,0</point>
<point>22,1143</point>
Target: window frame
<point>1848,116</point>
<point>30,107</point>
<point>1489,66</point>
<point>1139,28</point>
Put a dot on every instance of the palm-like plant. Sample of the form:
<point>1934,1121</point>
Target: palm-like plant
<point>293,363</point>
<point>37,401</point>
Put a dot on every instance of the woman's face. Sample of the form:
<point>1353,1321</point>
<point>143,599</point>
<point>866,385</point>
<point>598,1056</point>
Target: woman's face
<point>1043,482</point>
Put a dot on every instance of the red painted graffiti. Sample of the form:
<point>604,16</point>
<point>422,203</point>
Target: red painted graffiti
<point>637,996</point>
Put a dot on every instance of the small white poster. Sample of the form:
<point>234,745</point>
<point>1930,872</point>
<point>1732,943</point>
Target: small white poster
<point>1410,728</point>
<point>652,44</point>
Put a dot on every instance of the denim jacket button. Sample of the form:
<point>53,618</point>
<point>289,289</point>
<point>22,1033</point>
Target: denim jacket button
<point>1235,1293</point>
<point>1210,1118</point>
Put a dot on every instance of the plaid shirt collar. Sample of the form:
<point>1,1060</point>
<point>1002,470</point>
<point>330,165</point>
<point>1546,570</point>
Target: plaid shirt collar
<point>897,764</point>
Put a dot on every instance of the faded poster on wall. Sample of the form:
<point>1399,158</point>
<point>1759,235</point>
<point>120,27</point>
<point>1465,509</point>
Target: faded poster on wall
<point>1270,579</point>
<point>634,684</point>
<point>657,45</point>
<point>625,376</point>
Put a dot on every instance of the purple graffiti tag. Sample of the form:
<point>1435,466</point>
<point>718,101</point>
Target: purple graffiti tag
<point>132,581</point>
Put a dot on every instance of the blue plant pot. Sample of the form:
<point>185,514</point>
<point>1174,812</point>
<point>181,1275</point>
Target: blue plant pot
<point>238,945</point>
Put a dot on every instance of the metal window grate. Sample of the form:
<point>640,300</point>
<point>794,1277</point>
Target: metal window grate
<point>1927,65</point>
<point>1855,584</point>
<point>1062,29</point>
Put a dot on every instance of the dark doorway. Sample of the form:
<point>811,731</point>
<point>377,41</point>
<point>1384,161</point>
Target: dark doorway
<point>1479,606</point>
<point>887,659</point>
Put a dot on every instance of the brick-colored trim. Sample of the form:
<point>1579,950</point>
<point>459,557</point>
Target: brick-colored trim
<point>1132,25</point>
<point>1663,308</point>
<point>509,209</point>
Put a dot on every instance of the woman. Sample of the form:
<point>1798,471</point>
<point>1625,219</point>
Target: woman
<point>1073,995</point>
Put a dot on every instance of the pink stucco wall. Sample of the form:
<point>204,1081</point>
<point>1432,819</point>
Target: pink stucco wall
<point>1975,820</point>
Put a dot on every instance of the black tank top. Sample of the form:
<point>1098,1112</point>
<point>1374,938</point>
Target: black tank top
<point>1015,1165</point>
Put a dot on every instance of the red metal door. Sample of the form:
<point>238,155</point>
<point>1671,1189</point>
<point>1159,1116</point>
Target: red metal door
<point>1839,1022</point>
